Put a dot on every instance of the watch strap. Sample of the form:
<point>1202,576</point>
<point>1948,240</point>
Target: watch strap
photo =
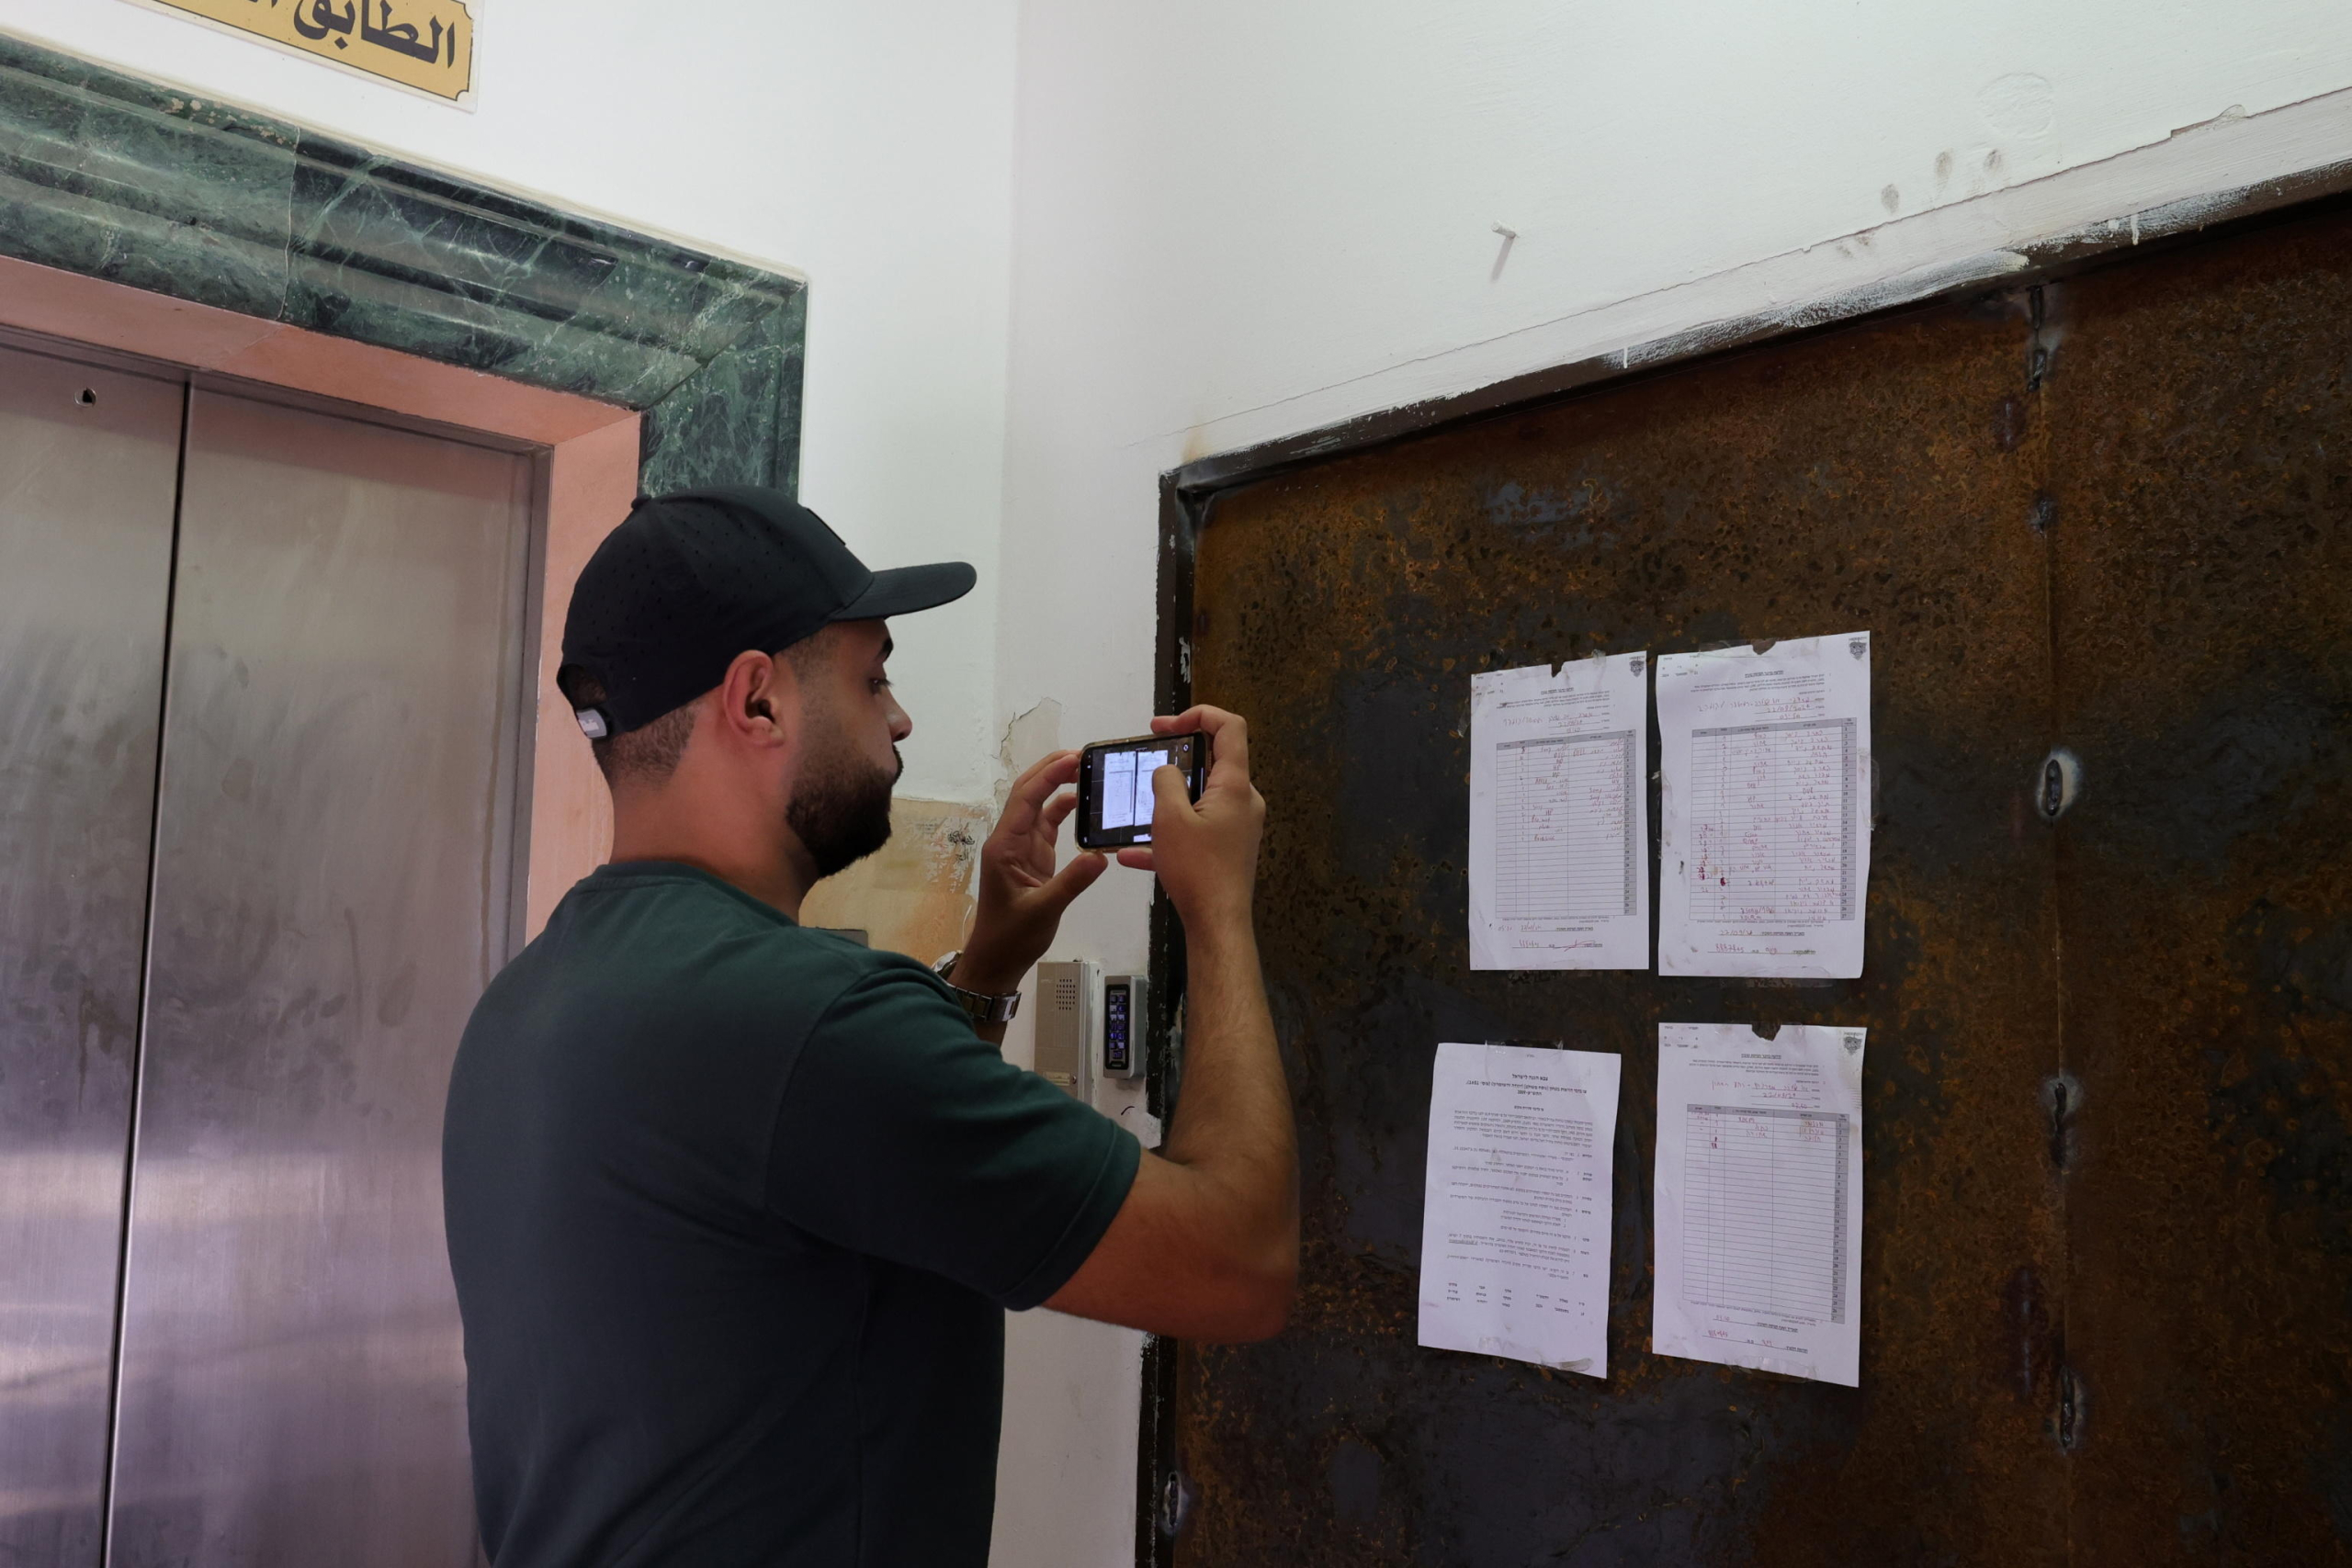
<point>982,1008</point>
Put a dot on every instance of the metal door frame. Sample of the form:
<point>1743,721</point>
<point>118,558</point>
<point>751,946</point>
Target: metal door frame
<point>521,738</point>
<point>534,623</point>
<point>1188,492</point>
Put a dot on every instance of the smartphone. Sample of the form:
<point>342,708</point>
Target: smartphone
<point>1114,798</point>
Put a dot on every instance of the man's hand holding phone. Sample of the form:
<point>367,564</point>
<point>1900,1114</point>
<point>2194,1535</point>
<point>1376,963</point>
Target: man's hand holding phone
<point>1021,895</point>
<point>1208,851</point>
<point>1205,852</point>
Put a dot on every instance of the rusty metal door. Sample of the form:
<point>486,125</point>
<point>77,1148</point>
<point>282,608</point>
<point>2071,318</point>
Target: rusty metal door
<point>2199,423</point>
<point>2106,1245</point>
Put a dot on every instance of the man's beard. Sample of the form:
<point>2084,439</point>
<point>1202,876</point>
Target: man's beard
<point>841,807</point>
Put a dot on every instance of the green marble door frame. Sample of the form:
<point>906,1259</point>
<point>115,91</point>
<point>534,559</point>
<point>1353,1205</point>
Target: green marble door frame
<point>114,177</point>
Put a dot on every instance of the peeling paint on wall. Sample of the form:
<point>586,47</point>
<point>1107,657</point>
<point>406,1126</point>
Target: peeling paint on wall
<point>1032,733</point>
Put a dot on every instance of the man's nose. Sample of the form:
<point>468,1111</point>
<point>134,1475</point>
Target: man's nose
<point>900,724</point>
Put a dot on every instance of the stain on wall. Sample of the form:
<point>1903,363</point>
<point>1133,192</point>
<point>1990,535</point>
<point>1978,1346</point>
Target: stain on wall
<point>915,896</point>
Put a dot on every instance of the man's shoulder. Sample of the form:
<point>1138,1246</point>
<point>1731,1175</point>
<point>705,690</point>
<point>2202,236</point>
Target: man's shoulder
<point>686,916</point>
<point>687,951</point>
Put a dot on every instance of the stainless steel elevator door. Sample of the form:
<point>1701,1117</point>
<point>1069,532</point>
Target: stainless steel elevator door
<point>333,841</point>
<point>89,460</point>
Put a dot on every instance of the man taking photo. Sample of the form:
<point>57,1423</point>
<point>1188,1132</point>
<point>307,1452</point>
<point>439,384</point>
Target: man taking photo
<point>735,1208</point>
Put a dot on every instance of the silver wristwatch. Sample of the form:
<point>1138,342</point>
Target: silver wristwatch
<point>978,1006</point>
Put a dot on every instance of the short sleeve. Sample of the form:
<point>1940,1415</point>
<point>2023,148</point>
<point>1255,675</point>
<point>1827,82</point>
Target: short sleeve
<point>904,1136</point>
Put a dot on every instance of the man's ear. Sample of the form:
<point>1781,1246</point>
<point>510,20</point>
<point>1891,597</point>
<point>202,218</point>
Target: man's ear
<point>759,702</point>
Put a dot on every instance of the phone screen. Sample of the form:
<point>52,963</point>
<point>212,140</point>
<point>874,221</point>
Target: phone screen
<point>1115,798</point>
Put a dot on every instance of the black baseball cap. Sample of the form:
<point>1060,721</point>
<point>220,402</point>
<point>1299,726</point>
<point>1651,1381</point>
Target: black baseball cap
<point>689,581</point>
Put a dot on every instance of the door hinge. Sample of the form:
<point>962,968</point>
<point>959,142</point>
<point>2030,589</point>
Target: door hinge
<point>1176,1496</point>
<point>2056,783</point>
<point>2068,1425</point>
<point>2062,1102</point>
<point>2037,364</point>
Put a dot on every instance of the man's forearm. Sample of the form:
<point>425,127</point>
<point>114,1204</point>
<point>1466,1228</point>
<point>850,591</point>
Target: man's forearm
<point>1206,1243</point>
<point>1233,1121</point>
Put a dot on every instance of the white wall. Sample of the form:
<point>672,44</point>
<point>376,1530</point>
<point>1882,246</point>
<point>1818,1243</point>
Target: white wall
<point>1237,220</point>
<point>864,146</point>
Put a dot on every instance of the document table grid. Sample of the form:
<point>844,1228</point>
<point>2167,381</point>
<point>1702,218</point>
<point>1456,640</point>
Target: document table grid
<point>1564,816</point>
<point>1764,1204</point>
<point>1772,819</point>
<point>1128,798</point>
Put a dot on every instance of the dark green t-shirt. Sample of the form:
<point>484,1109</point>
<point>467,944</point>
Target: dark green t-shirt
<point>735,1209</point>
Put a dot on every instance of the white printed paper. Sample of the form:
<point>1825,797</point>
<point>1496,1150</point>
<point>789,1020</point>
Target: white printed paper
<point>1127,800</point>
<point>1759,1199</point>
<point>1560,816</point>
<point>1515,1234</point>
<point>1765,842</point>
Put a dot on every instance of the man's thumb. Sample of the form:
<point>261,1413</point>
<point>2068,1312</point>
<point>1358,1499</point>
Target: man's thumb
<point>1167,789</point>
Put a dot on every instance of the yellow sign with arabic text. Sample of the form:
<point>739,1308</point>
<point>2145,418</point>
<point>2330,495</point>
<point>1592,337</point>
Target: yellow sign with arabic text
<point>425,44</point>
